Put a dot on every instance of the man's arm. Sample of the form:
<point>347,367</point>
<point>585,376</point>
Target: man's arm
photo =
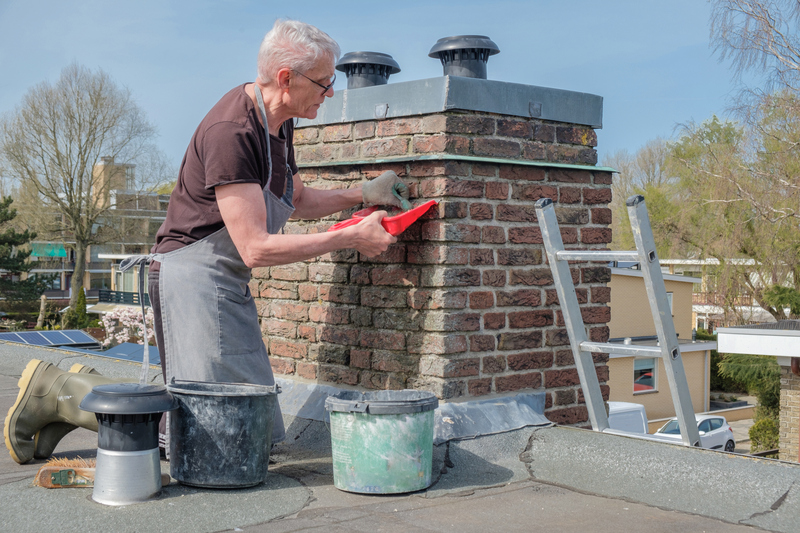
<point>317,203</point>
<point>245,215</point>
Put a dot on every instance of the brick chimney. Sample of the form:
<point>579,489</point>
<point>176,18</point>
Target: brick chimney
<point>463,304</point>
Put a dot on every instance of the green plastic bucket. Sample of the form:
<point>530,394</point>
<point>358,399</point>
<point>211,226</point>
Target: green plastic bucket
<point>382,442</point>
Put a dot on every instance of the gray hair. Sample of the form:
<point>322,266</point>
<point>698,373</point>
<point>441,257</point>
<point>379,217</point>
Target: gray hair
<point>296,45</point>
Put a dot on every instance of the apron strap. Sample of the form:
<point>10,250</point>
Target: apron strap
<point>127,264</point>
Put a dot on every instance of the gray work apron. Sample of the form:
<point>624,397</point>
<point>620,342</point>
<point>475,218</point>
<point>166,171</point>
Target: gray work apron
<point>208,315</point>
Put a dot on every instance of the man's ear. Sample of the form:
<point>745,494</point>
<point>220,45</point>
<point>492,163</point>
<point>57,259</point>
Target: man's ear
<point>284,78</point>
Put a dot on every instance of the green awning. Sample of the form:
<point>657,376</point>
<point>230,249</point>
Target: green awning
<point>48,249</point>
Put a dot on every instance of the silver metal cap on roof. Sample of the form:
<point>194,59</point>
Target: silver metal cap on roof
<point>464,55</point>
<point>366,69</point>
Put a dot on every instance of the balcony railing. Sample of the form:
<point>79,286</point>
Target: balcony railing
<point>121,297</point>
<point>716,299</point>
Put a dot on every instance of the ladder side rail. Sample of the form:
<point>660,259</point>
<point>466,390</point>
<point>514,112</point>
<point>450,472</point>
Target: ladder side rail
<point>570,309</point>
<point>597,255</point>
<point>662,318</point>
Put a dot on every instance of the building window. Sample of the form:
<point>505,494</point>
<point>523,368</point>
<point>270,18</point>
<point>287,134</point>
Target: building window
<point>644,375</point>
<point>669,300</point>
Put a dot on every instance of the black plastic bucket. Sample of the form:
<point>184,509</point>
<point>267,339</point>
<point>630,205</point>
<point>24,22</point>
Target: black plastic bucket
<point>221,433</point>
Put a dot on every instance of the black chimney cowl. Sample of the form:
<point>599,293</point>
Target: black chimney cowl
<point>464,55</point>
<point>366,69</point>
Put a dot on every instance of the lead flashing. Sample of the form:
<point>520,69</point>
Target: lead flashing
<point>455,93</point>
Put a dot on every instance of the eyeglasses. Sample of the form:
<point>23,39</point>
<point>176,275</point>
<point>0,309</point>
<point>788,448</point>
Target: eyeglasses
<point>325,88</point>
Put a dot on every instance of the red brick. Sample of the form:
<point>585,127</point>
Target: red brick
<point>534,151</point>
<point>599,334</point>
<point>282,290</point>
<point>515,213</point>
<point>578,217</point>
<point>443,231</point>
<point>374,380</point>
<point>481,257</point>
<point>337,132</point>
<point>522,297</point>
<point>494,278</point>
<point>360,358</point>
<point>522,172</point>
<point>494,320</point>
<point>514,128</point>
<point>494,364</point>
<point>481,211</point>
<point>530,361</point>
<point>430,254</point>
<point>383,339</point>
<point>451,277</point>
<point>568,415</point>
<point>605,391</point>
<point>603,178</point>
<point>481,300</point>
<point>557,337</point>
<point>564,358</point>
<point>341,294</point>
<point>520,341</point>
<point>515,382</point>
<point>569,195</point>
<point>564,397</point>
<point>363,130</point>
<point>531,192</point>
<point>493,235</point>
<point>570,176</point>
<point>470,124</point>
<point>561,378</point>
<point>496,190</point>
<point>287,311</point>
<point>601,215</point>
<point>392,362</point>
<point>531,277</point>
<point>305,136</point>
<point>338,374</point>
<point>384,147</point>
<point>530,319</point>
<point>601,295</point>
<point>438,187</point>
<point>544,132</point>
<point>451,209</point>
<point>399,126</point>
<point>451,144</point>
<point>293,272</point>
<point>328,314</point>
<point>480,169</point>
<point>437,299</point>
<point>394,275</point>
<point>595,235</point>
<point>519,256</point>
<point>328,272</point>
<point>436,344</point>
<point>569,235</point>
<point>481,343</point>
<point>479,387</point>
<point>576,135</point>
<point>337,335</point>
<point>279,328</point>
<point>293,349</point>
<point>460,368</point>
<point>596,196</point>
<point>307,292</point>
<point>525,235</point>
<point>596,274</point>
<point>379,297</point>
<point>281,366</point>
<point>307,332</point>
<point>394,255</point>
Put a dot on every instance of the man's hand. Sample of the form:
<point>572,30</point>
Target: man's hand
<point>369,237</point>
<point>379,191</point>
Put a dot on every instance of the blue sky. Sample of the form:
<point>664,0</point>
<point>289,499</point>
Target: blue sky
<point>649,60</point>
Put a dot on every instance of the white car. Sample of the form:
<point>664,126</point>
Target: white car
<point>715,433</point>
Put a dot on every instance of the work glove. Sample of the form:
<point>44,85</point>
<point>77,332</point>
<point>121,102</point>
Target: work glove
<point>386,189</point>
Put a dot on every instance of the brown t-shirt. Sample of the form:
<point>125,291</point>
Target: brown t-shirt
<point>229,146</point>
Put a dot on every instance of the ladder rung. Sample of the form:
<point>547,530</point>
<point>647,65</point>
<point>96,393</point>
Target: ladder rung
<point>622,349</point>
<point>596,255</point>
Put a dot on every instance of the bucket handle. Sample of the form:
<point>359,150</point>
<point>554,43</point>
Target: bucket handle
<point>174,381</point>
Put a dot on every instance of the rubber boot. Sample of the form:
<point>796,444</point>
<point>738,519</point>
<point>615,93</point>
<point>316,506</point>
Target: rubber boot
<point>46,440</point>
<point>47,395</point>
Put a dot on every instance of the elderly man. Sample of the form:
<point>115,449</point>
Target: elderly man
<point>237,187</point>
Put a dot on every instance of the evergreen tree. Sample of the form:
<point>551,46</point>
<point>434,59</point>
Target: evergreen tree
<point>14,261</point>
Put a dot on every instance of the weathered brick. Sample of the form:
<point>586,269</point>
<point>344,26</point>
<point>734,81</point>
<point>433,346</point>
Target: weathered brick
<point>470,124</point>
<point>518,256</point>
<point>431,343</point>
<point>578,217</point>
<point>307,332</point>
<point>601,215</point>
<point>341,294</point>
<point>452,209</point>
<point>437,299</point>
<point>515,382</point>
<point>530,360</point>
<point>383,339</point>
<point>569,195</point>
<point>482,169</point>
<point>288,311</point>
<point>561,378</point>
<point>534,151</point>
<point>481,257</point>
<point>430,254</point>
<point>596,196</point>
<point>279,328</point>
<point>599,334</point>
<point>564,358</point>
<point>520,341</point>
<point>494,320</point>
<point>451,144</point>
<point>337,374</point>
<point>525,235</point>
<point>450,277</point>
<point>443,231</point>
<point>530,319</point>
<point>399,126</point>
<point>363,130</point>
<point>595,235</point>
<point>434,123</point>
<point>596,315</point>
<point>283,290</point>
<point>496,190</point>
<point>307,292</point>
<point>516,213</point>
<point>449,321</point>
<point>601,295</point>
<point>552,296</point>
<point>337,132</point>
<point>494,278</point>
<point>293,272</point>
<point>522,297</point>
<point>438,187</point>
<point>522,172</point>
<point>481,300</point>
<point>570,176</point>
<point>397,319</point>
<point>328,314</point>
<point>576,135</point>
<point>481,343</point>
<point>514,128</point>
<point>596,274</point>
<point>481,211</point>
<point>568,415</point>
<point>384,147</point>
<point>494,364</point>
<point>460,368</point>
<point>479,387</point>
<point>394,275</point>
<point>395,254</point>
<point>383,297</point>
<point>544,133</point>
<point>281,366</point>
<point>532,192</point>
<point>557,337</point>
<point>292,349</point>
<point>603,178</point>
<point>360,358</point>
<point>337,335</point>
<point>394,362</point>
<point>493,235</point>
<point>328,272</point>
<point>531,276</point>
<point>569,235</point>
<point>305,136</point>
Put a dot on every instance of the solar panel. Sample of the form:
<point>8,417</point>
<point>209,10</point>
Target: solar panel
<point>69,337</point>
<point>77,336</point>
<point>11,337</point>
<point>34,337</point>
<point>56,337</point>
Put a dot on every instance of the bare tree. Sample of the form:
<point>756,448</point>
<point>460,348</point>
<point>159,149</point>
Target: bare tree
<point>53,143</point>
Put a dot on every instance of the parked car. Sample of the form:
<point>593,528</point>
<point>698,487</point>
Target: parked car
<point>644,382</point>
<point>627,416</point>
<point>715,433</point>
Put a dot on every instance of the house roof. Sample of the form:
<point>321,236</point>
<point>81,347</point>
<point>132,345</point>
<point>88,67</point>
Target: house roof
<point>640,274</point>
<point>780,339</point>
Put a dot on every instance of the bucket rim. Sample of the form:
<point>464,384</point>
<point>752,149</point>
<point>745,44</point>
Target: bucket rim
<point>363,402</point>
<point>179,387</point>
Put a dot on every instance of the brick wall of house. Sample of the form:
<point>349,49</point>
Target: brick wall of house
<point>790,415</point>
<point>463,304</point>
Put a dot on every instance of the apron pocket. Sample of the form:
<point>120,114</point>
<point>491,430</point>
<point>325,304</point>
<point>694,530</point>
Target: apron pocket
<point>239,332</point>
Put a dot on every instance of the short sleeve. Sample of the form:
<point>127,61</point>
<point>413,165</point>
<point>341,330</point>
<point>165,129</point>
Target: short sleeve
<point>230,155</point>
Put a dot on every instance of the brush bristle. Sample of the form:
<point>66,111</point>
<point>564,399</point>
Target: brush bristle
<point>77,462</point>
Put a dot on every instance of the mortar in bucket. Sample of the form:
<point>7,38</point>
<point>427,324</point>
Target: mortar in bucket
<point>382,441</point>
<point>221,433</point>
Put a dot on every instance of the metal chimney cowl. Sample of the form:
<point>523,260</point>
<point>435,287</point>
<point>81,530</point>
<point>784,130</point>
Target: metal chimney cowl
<point>367,69</point>
<point>464,55</point>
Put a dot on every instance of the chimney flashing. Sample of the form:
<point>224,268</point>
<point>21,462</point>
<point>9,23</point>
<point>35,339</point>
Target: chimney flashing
<point>451,93</point>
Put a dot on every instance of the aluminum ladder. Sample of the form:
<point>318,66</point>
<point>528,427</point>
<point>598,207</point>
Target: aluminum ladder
<point>582,348</point>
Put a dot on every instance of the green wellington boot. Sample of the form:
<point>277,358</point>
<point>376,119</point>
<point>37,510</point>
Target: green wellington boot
<point>47,395</point>
<point>46,440</point>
